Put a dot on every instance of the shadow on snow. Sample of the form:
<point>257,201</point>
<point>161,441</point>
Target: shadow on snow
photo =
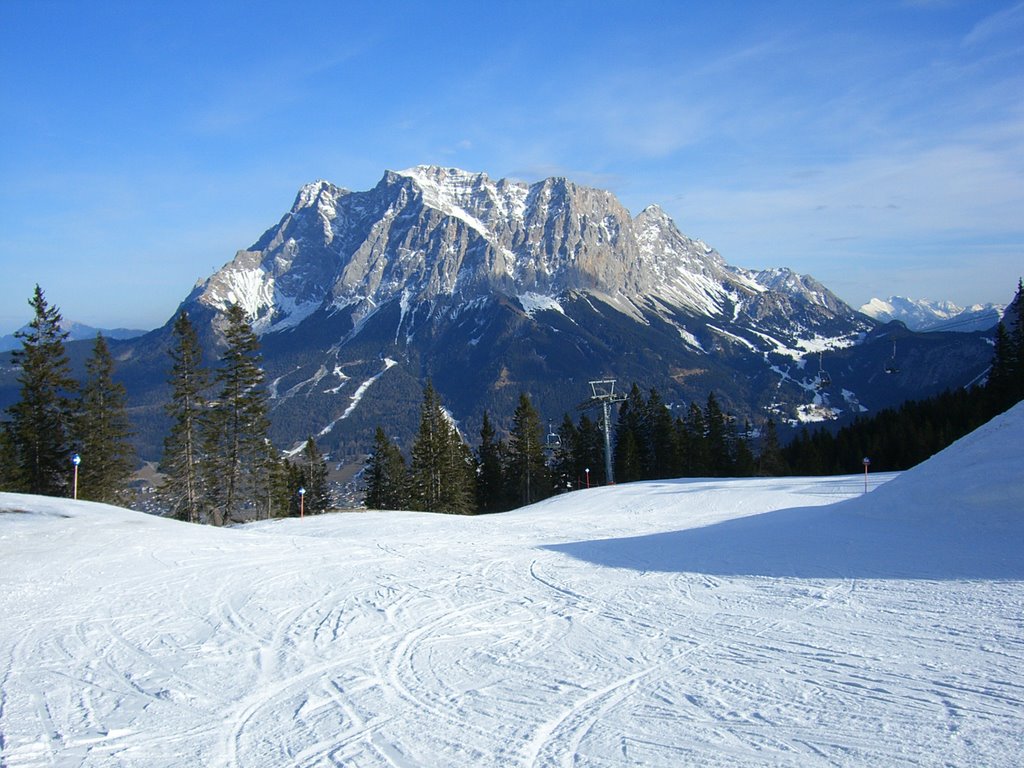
<point>817,542</point>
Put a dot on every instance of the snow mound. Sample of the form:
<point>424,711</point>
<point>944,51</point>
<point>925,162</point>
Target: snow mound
<point>975,483</point>
<point>959,515</point>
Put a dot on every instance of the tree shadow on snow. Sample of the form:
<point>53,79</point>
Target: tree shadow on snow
<point>817,542</point>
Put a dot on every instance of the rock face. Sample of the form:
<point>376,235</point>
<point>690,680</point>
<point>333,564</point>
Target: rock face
<point>439,234</point>
<point>490,288</point>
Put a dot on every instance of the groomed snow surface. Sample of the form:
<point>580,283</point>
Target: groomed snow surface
<point>784,622</point>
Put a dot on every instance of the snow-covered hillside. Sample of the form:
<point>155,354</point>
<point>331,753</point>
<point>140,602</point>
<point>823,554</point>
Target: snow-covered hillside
<point>793,622</point>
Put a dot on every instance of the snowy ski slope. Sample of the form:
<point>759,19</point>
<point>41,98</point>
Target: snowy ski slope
<point>786,622</point>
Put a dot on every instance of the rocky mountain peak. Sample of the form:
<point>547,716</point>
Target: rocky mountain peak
<point>431,232</point>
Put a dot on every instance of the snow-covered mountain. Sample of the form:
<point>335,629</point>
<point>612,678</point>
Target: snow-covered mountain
<point>924,315</point>
<point>495,287</point>
<point>770,621</point>
<point>442,235</point>
<point>491,287</point>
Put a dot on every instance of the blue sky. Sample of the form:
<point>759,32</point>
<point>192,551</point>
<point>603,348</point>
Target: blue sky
<point>878,146</point>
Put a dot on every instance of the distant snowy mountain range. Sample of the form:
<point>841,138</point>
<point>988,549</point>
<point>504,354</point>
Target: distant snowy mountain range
<point>77,332</point>
<point>924,315</point>
<point>491,287</point>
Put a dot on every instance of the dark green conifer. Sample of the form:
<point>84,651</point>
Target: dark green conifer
<point>695,439</point>
<point>238,453</point>
<point>443,473</point>
<point>313,468</point>
<point>386,475</point>
<point>718,439</point>
<point>491,472</point>
<point>527,468</point>
<point>41,420</point>
<point>182,491</point>
<point>103,432</point>
<point>769,459</point>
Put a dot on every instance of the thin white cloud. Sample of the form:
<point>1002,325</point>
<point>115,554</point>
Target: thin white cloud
<point>1008,22</point>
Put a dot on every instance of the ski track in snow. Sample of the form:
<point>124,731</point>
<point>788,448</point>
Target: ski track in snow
<point>402,639</point>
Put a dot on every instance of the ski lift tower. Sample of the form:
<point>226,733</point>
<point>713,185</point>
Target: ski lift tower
<point>602,392</point>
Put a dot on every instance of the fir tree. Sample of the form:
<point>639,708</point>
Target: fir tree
<point>631,438</point>
<point>313,469</point>
<point>1005,385</point>
<point>566,465</point>
<point>590,448</point>
<point>284,481</point>
<point>664,447</point>
<point>770,461</point>
<point>238,454</point>
<point>527,468</point>
<point>41,420</point>
<point>7,458</point>
<point>182,491</point>
<point>442,468</point>
<point>718,439</point>
<point>743,461</point>
<point>386,475</point>
<point>490,469</point>
<point>1001,375</point>
<point>696,461</point>
<point>103,430</point>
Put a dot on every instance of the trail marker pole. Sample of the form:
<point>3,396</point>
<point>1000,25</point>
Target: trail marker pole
<point>867,463</point>
<point>587,471</point>
<point>75,460</point>
<point>302,502</point>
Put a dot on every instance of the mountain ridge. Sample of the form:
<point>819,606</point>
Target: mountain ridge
<point>489,288</point>
<point>926,315</point>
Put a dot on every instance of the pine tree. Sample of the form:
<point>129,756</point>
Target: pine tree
<point>631,438</point>
<point>770,461</point>
<point>527,470</point>
<point>427,453</point>
<point>103,430</point>
<point>284,481</point>
<point>7,458</point>
<point>313,470</point>
<point>590,448</point>
<point>182,491</point>
<point>743,461</point>
<point>1017,311</point>
<point>41,420</point>
<point>566,465</point>
<point>491,472</point>
<point>386,475</point>
<point>664,446</point>
<point>718,439</point>
<point>1001,375</point>
<point>442,469</point>
<point>238,454</point>
<point>695,442</point>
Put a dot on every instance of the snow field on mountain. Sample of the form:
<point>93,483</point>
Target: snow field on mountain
<point>784,621</point>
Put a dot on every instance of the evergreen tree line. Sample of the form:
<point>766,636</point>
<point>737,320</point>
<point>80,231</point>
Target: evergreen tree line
<point>218,463</point>
<point>57,418</point>
<point>444,475</point>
